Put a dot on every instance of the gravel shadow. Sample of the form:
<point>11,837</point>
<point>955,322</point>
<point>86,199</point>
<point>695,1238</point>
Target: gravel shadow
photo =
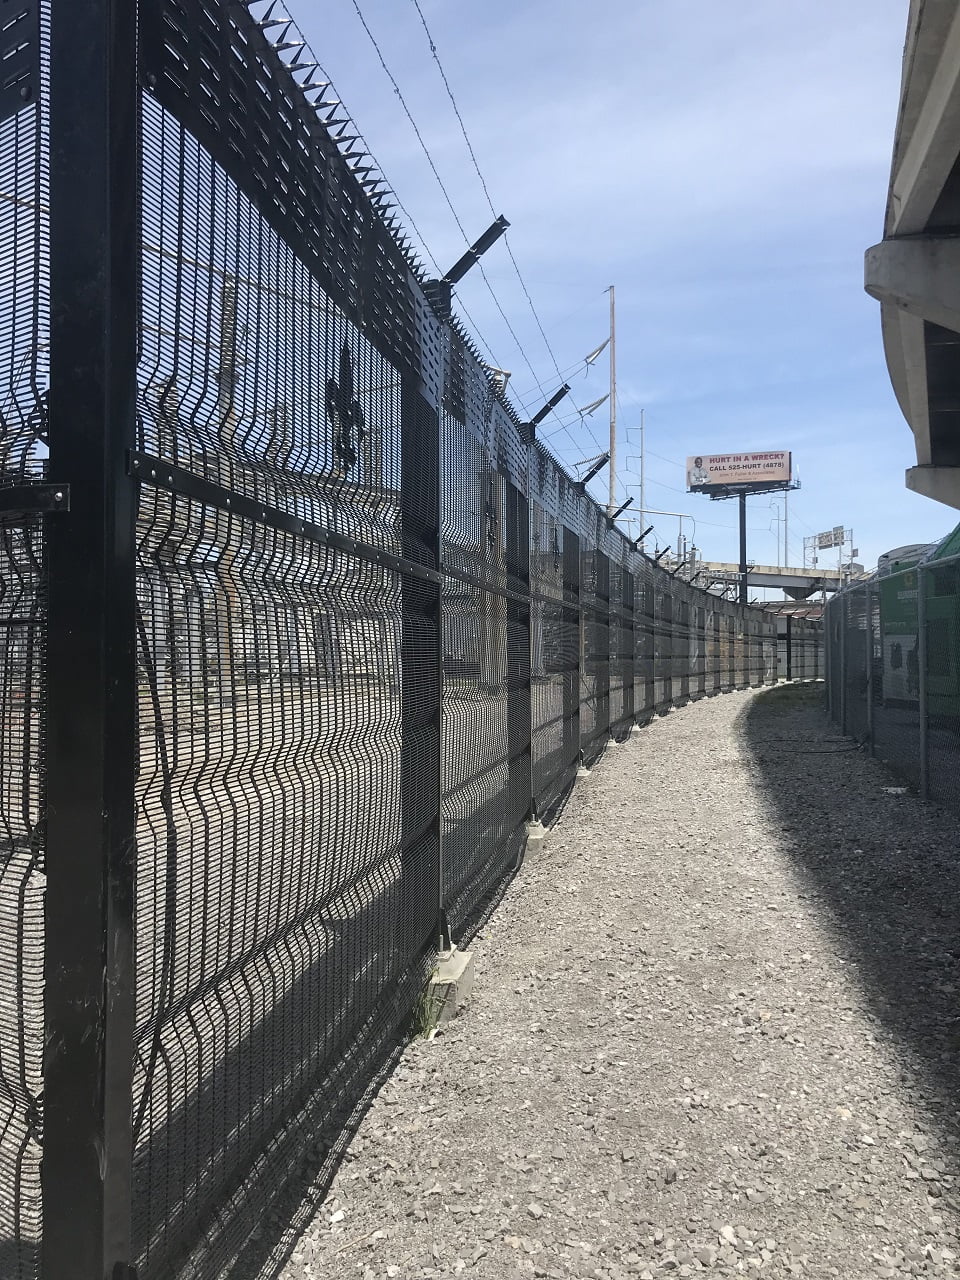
<point>884,871</point>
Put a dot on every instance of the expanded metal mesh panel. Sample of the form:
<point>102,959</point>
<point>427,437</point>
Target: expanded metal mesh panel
<point>480,814</point>
<point>623,645</point>
<point>855,658</point>
<point>486,651</point>
<point>745,651</point>
<point>554,653</point>
<point>595,666</point>
<point>896,688</point>
<point>252,376</point>
<point>645,664</point>
<point>697,657</point>
<point>728,656</point>
<point>663,646</point>
<point>680,655</point>
<point>810,639</point>
<point>287,844</point>
<point>833,669</point>
<point>211,63</point>
<point>754,666</point>
<point>711,655</point>
<point>941,587</point>
<point>22,699</point>
<point>24,374</point>
<point>271,860</point>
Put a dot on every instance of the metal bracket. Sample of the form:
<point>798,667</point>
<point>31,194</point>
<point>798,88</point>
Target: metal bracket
<point>28,499</point>
<point>19,57</point>
<point>446,936</point>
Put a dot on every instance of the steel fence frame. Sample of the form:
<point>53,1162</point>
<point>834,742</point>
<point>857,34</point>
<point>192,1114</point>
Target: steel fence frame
<point>280,722</point>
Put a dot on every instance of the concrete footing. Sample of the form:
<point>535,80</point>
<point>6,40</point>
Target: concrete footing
<point>583,772</point>
<point>536,839</point>
<point>451,983</point>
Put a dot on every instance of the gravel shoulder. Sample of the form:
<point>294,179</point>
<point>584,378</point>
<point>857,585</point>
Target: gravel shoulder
<point>713,1030</point>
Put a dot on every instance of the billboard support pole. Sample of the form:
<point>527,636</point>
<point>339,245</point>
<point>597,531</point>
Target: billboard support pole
<point>743,546</point>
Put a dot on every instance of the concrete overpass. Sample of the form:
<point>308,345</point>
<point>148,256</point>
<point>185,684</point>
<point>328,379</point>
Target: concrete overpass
<point>915,270</point>
<point>798,583</point>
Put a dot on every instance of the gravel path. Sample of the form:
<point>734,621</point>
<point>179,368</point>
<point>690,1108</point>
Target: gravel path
<point>713,1031</point>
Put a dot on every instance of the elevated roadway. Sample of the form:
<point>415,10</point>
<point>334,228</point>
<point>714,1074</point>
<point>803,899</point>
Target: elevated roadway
<point>797,583</point>
<point>915,271</point>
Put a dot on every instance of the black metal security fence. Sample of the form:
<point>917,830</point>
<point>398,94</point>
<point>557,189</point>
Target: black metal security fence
<point>893,672</point>
<point>799,648</point>
<point>300,627</point>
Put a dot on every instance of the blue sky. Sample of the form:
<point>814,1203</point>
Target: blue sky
<point>725,166</point>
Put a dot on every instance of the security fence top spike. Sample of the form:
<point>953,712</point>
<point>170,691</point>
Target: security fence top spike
<point>289,44</point>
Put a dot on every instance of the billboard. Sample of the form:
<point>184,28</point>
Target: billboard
<point>834,537</point>
<point>720,470</point>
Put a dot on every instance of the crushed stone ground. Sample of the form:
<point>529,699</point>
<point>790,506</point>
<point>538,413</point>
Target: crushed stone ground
<point>714,1030</point>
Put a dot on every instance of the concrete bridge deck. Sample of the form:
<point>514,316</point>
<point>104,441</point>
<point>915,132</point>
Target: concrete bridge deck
<point>799,583</point>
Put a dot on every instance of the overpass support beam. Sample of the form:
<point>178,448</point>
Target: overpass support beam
<point>942,484</point>
<point>918,282</point>
<point>920,276</point>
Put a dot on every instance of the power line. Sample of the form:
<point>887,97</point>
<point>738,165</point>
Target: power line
<point>426,151</point>
<point>483,183</point>
<point>440,183</point>
<point>489,199</point>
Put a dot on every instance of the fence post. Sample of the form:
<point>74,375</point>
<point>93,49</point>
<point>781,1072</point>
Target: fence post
<point>421,661</point>
<point>843,663</point>
<point>870,674</point>
<point>520,692</point>
<point>922,683</point>
<point>91,657</point>
<point>789,647</point>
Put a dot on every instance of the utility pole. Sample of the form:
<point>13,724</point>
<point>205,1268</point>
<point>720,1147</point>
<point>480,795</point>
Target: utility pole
<point>786,552</point>
<point>743,546</point>
<point>612,505</point>
<point>643,475</point>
